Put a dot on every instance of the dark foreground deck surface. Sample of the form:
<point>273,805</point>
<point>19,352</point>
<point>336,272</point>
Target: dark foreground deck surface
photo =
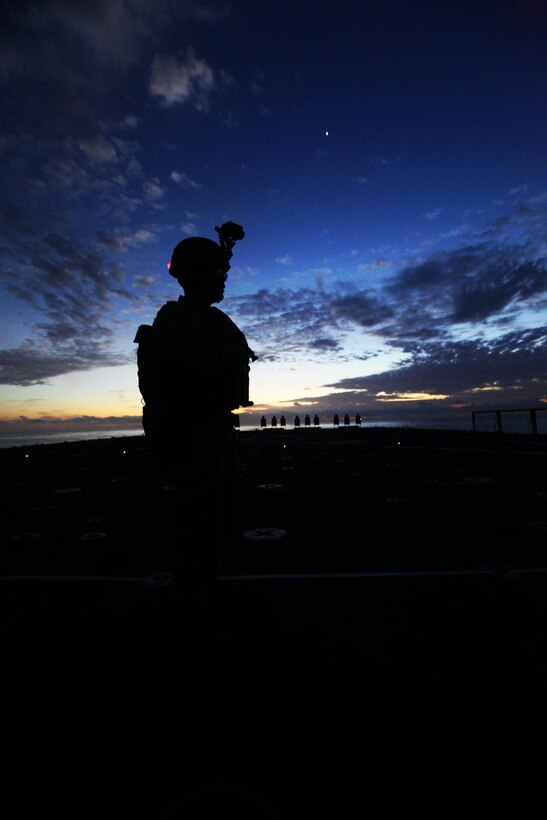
<point>411,559</point>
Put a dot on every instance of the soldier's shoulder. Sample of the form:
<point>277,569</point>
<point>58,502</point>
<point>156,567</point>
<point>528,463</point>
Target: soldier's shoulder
<point>176,322</point>
<point>173,314</point>
<point>166,312</point>
<point>223,319</point>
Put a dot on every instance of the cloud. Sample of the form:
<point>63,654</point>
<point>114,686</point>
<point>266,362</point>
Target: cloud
<point>520,189</point>
<point>372,267</point>
<point>65,218</point>
<point>471,283</point>
<point>446,379</point>
<point>288,323</point>
<point>129,121</point>
<point>120,241</point>
<point>70,284</point>
<point>470,287</point>
<point>285,260</point>
<point>230,119</point>
<point>183,180</point>
<point>153,190</point>
<point>33,363</point>
<point>205,11</point>
<point>542,197</point>
<point>362,309</point>
<point>496,288</point>
<point>375,161</point>
<point>98,148</point>
<point>325,343</point>
<point>443,313</point>
<point>84,42</point>
<point>58,175</point>
<point>284,322</point>
<point>71,52</point>
<point>176,83</point>
<point>143,280</point>
<point>432,215</point>
<point>64,172</point>
<point>457,368</point>
<point>142,235</point>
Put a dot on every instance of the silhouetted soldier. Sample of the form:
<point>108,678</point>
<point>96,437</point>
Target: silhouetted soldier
<point>297,421</point>
<point>195,357</point>
<point>282,421</point>
<point>358,419</point>
<point>336,420</point>
<point>316,421</point>
<point>346,420</point>
<point>274,421</point>
<point>307,421</point>
<point>263,421</point>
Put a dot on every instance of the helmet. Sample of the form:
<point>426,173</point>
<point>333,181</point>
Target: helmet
<point>196,254</point>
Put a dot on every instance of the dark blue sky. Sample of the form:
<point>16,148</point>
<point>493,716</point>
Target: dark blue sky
<point>394,266</point>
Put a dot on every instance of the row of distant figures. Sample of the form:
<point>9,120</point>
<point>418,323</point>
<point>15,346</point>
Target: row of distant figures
<point>308,421</point>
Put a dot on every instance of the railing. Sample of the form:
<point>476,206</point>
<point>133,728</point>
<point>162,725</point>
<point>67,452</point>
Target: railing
<point>522,420</point>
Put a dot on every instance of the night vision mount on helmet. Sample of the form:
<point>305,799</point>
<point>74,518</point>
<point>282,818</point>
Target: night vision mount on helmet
<point>228,234</point>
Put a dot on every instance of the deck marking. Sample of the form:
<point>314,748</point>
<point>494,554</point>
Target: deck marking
<point>158,579</point>
<point>335,576</point>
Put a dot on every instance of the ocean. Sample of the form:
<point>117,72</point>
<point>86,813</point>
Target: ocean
<point>29,439</point>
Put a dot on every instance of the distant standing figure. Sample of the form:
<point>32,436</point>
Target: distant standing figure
<point>358,419</point>
<point>336,420</point>
<point>282,421</point>
<point>263,421</point>
<point>297,421</point>
<point>346,420</point>
<point>316,421</point>
<point>307,421</point>
<point>274,421</point>
<point>195,358</point>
